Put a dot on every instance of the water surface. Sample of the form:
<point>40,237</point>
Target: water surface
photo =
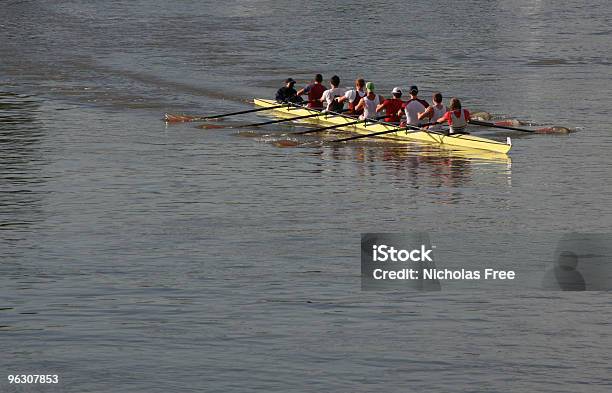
<point>143,257</point>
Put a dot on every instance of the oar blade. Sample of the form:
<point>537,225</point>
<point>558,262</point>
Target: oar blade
<point>286,143</point>
<point>174,118</point>
<point>508,123</point>
<point>553,130</point>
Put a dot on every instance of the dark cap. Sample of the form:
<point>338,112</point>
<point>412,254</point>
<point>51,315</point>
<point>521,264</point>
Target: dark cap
<point>413,89</point>
<point>289,80</point>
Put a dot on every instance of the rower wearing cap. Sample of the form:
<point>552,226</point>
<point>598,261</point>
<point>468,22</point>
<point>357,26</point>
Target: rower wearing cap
<point>315,91</point>
<point>392,106</point>
<point>456,117</point>
<point>413,106</point>
<point>329,96</point>
<point>434,112</point>
<point>369,103</point>
<point>287,93</point>
<point>353,97</point>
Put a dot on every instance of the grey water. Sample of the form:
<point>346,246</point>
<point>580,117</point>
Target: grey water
<point>142,257</point>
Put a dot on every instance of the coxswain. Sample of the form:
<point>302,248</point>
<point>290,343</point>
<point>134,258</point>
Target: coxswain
<point>369,103</point>
<point>315,91</point>
<point>287,93</point>
<point>456,117</point>
<point>392,106</point>
<point>434,112</point>
<point>329,96</point>
<point>353,97</point>
<point>413,106</point>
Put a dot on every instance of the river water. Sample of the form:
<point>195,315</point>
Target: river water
<point>140,257</point>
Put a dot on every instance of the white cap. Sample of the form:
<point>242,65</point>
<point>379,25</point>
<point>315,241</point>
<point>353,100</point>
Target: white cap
<point>396,90</point>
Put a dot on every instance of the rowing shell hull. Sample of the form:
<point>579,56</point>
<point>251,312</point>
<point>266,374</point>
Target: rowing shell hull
<point>445,141</point>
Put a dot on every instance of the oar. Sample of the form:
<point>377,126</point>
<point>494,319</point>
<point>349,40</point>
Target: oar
<point>364,136</point>
<point>209,126</point>
<point>171,118</point>
<point>412,128</point>
<point>406,128</point>
<point>543,130</point>
<point>337,126</point>
<point>493,125</point>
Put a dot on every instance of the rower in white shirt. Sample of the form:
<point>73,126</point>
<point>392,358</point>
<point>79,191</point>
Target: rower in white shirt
<point>369,103</point>
<point>413,106</point>
<point>434,112</point>
<point>353,97</point>
<point>329,96</point>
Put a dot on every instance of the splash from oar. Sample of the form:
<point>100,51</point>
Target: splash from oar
<point>210,126</point>
<point>248,134</point>
<point>481,116</point>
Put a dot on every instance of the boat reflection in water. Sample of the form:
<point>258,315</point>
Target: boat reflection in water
<point>442,172</point>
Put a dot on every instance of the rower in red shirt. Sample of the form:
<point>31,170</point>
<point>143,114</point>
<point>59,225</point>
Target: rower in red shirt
<point>456,117</point>
<point>315,91</point>
<point>392,106</point>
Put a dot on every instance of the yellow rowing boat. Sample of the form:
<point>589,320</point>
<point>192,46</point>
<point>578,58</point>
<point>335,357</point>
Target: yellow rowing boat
<point>454,142</point>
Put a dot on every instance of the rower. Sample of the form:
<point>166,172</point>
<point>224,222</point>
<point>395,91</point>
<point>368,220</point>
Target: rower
<point>413,106</point>
<point>369,102</point>
<point>434,112</point>
<point>392,106</point>
<point>287,93</point>
<point>315,91</point>
<point>353,97</point>
<point>456,117</point>
<point>329,95</point>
